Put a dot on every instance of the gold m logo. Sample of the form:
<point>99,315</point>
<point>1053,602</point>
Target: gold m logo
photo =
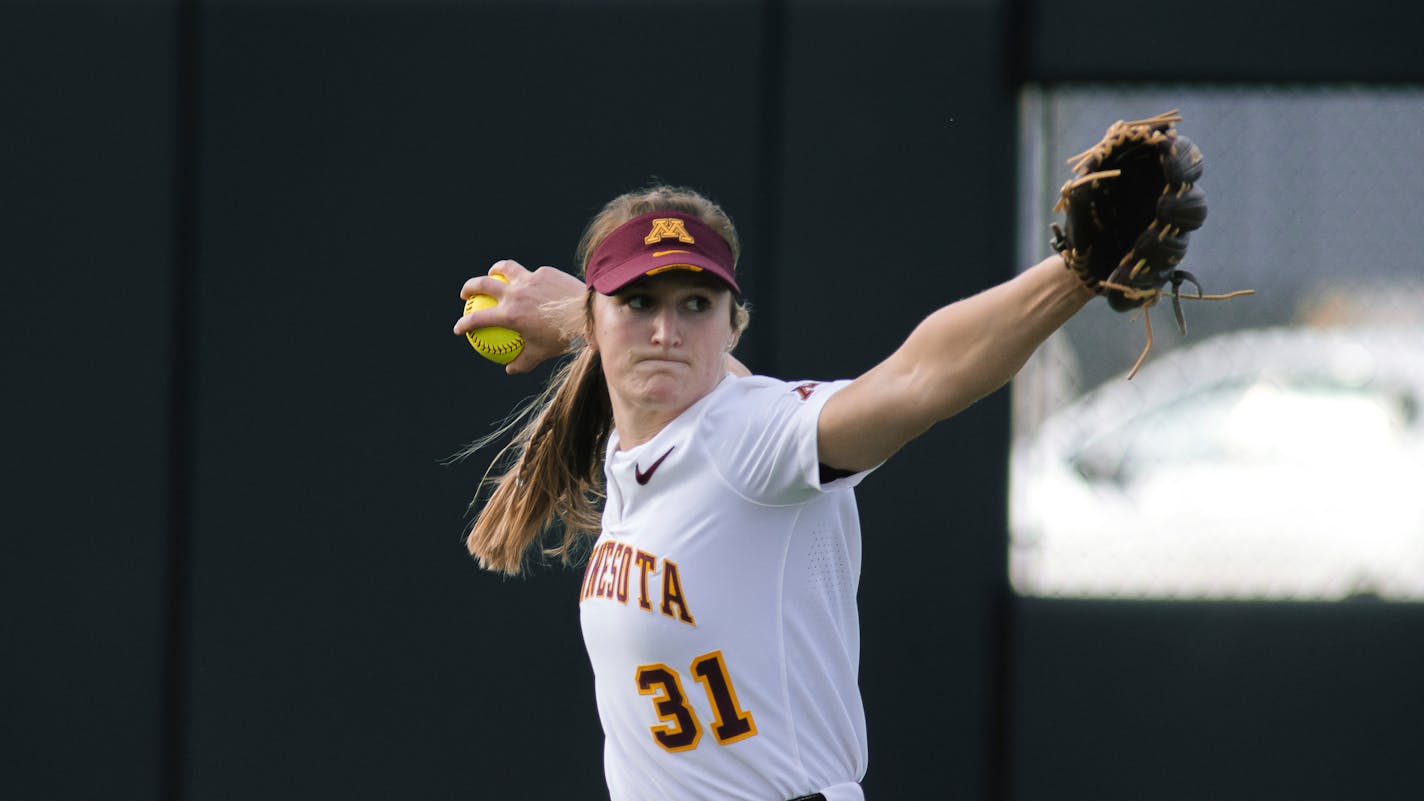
<point>668,228</point>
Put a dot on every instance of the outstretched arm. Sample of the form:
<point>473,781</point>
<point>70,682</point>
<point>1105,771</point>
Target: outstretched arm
<point>956,356</point>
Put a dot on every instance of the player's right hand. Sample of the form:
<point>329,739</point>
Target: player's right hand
<point>545,306</point>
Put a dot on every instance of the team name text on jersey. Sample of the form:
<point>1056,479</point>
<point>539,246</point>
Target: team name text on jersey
<point>610,573</point>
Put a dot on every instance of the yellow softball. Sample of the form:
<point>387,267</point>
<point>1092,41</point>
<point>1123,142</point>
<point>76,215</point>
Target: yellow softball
<point>497,344</point>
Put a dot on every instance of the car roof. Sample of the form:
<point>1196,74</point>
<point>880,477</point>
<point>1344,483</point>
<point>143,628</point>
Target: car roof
<point>1388,357</point>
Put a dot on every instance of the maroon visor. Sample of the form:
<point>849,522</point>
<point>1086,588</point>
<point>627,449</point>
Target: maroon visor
<point>657,242</point>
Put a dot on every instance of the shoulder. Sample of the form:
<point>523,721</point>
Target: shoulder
<point>763,410</point>
<point>765,389</point>
<point>760,434</point>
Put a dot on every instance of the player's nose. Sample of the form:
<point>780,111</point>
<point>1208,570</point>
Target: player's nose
<point>666,329</point>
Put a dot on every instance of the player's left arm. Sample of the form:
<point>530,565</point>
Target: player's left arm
<point>956,356</point>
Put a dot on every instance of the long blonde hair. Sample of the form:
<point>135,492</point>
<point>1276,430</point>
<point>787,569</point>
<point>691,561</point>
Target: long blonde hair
<point>551,472</point>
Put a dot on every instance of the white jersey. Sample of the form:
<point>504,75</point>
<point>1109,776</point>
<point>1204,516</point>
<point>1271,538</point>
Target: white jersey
<point>718,606</point>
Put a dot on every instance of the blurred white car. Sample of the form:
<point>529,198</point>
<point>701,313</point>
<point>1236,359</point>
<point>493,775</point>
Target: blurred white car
<point>1280,464</point>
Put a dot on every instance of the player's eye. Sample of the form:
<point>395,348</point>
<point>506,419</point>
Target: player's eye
<point>698,303</point>
<point>638,302</point>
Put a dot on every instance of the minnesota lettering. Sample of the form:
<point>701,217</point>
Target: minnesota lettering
<point>617,571</point>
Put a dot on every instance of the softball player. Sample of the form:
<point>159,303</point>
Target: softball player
<point>718,601</point>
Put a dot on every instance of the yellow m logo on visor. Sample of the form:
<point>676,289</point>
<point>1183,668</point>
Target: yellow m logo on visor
<point>668,228</point>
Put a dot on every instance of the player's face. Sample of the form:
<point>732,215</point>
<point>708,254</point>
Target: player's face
<point>663,341</point>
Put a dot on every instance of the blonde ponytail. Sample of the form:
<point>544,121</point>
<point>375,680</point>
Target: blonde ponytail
<point>551,470</point>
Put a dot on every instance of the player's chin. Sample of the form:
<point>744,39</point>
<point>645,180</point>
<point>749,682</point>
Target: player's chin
<point>670,388</point>
<point>662,384</point>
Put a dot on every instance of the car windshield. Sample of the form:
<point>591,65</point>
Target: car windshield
<point>1259,422</point>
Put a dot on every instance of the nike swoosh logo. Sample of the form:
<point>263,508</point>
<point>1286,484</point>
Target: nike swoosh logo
<point>642,477</point>
<point>658,253</point>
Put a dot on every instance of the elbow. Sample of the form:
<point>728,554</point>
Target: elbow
<point>959,383</point>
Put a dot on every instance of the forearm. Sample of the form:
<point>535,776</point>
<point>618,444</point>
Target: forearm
<point>970,348</point>
<point>956,356</point>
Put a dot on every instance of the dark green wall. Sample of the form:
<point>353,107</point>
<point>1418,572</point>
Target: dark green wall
<point>87,137</point>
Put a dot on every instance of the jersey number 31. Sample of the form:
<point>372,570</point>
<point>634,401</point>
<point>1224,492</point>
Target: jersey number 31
<point>681,730</point>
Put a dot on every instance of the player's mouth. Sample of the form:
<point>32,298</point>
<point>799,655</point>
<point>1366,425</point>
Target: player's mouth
<point>661,361</point>
<point>658,356</point>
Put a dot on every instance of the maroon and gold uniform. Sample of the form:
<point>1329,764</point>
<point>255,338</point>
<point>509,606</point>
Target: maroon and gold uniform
<point>718,606</point>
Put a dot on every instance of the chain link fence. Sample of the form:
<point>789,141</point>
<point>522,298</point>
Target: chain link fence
<point>1277,450</point>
